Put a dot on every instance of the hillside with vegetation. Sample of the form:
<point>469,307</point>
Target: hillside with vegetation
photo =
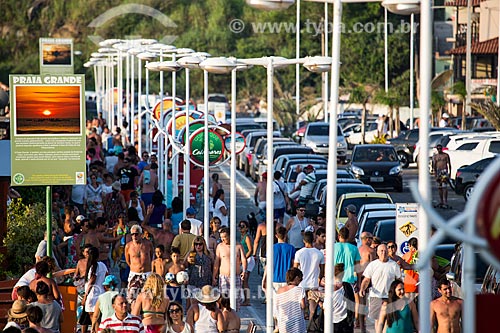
<point>205,26</point>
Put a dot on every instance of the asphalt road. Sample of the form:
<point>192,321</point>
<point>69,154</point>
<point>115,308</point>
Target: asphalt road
<point>245,188</point>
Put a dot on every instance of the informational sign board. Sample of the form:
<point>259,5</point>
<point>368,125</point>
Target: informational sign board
<point>47,130</point>
<point>406,224</point>
<point>215,145</point>
<point>56,56</point>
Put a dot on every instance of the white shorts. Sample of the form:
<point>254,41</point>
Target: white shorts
<point>250,264</point>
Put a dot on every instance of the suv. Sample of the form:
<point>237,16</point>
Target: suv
<point>317,137</point>
<point>405,144</point>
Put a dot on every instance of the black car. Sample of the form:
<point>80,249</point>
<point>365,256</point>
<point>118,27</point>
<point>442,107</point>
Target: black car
<point>377,165</point>
<point>405,144</point>
<point>467,176</point>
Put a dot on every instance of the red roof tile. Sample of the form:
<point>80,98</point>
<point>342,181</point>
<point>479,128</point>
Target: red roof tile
<point>462,3</point>
<point>489,46</point>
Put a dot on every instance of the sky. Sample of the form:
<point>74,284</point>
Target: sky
<point>47,101</point>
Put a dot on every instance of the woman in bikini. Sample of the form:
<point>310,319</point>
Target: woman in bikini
<point>153,304</point>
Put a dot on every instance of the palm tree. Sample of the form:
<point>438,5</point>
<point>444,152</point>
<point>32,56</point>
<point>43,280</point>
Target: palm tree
<point>490,111</point>
<point>437,104</point>
<point>361,95</point>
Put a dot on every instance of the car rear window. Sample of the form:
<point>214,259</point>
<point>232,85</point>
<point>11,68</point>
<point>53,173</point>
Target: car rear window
<point>387,232</point>
<point>358,202</point>
<point>494,147</point>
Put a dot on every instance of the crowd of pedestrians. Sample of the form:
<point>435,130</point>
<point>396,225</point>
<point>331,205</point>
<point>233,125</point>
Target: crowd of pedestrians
<point>121,222</point>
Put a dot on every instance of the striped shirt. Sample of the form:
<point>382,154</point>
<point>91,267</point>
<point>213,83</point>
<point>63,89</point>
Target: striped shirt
<point>131,324</point>
<point>307,189</point>
<point>289,313</point>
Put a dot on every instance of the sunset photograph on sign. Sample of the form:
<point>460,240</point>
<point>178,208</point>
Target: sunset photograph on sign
<point>47,109</point>
<point>56,54</point>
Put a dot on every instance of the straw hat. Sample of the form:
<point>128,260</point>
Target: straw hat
<point>18,309</point>
<point>207,294</point>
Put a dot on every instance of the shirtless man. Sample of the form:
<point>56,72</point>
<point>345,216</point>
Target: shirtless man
<point>222,266</point>
<point>162,236</point>
<point>446,311</point>
<point>260,192</point>
<point>368,254</point>
<point>442,168</point>
<point>352,224</point>
<point>138,254</point>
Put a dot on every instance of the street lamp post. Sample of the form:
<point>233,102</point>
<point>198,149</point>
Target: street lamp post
<point>188,62</point>
<point>218,65</point>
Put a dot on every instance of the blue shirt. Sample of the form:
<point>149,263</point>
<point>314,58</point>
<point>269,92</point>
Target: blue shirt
<point>347,254</point>
<point>283,259</point>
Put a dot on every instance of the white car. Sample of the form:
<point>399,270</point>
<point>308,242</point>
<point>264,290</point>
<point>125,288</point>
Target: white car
<point>354,134</point>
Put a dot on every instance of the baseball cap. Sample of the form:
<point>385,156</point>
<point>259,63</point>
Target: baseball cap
<point>445,115</point>
<point>110,279</point>
<point>80,218</point>
<point>309,166</point>
<point>351,209</point>
<point>190,211</point>
<point>264,174</point>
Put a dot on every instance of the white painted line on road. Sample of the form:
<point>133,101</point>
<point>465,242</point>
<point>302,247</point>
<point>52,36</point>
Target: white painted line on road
<point>225,169</point>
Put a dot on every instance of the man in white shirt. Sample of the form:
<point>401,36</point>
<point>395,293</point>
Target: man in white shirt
<point>444,120</point>
<point>381,273</point>
<point>294,194</point>
<point>307,185</point>
<point>311,262</point>
<point>196,225</point>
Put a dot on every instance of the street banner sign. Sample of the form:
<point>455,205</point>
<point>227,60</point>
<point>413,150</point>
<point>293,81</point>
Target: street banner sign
<point>56,56</point>
<point>47,130</point>
<point>406,225</point>
<point>215,143</point>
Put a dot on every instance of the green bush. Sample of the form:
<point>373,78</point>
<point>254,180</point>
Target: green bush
<point>25,227</point>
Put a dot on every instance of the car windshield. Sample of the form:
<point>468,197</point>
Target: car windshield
<point>358,202</point>
<point>353,189</point>
<point>375,154</point>
<point>318,130</point>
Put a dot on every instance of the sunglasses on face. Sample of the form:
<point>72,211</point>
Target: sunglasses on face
<point>243,226</point>
<point>176,310</point>
<point>135,234</point>
<point>198,244</point>
<point>391,246</point>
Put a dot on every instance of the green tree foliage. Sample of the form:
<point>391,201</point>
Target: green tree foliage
<point>490,111</point>
<point>205,26</point>
<point>25,227</point>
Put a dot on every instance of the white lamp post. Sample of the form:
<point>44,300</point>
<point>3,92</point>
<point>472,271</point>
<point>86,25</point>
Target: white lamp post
<point>146,56</point>
<point>188,62</point>
<point>218,65</point>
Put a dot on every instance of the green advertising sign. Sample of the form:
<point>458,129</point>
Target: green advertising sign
<point>215,143</point>
<point>47,130</point>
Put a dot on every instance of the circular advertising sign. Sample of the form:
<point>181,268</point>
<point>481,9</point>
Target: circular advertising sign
<point>215,143</point>
<point>240,142</point>
<point>488,208</point>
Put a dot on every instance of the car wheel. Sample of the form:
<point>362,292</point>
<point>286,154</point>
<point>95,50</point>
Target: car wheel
<point>468,191</point>
<point>403,157</point>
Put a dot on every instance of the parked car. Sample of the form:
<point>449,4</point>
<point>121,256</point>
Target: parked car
<point>358,200</point>
<point>317,137</point>
<point>434,138</point>
<point>245,157</point>
<point>354,137</point>
<point>472,150</point>
<point>344,187</point>
<point>467,176</point>
<point>377,165</point>
<point>455,275</point>
<point>280,151</point>
<point>257,153</point>
<point>281,162</point>
<point>290,177</point>
<point>385,230</point>
<point>374,207</point>
<point>369,220</point>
